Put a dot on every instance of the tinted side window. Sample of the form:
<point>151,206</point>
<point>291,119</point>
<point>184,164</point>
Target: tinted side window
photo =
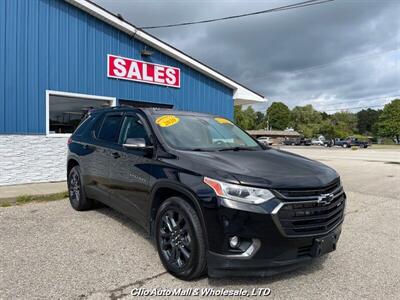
<point>110,128</point>
<point>97,125</point>
<point>88,124</point>
<point>133,128</point>
<point>83,126</point>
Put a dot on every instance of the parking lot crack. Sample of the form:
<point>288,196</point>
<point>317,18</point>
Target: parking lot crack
<point>351,212</point>
<point>118,293</point>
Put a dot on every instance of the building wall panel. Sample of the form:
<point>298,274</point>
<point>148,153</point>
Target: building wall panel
<point>2,64</point>
<point>50,44</point>
<point>32,158</point>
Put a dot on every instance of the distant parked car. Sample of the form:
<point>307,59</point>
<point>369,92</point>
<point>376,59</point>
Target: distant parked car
<point>317,142</point>
<point>329,143</point>
<point>297,141</point>
<point>351,141</point>
<point>265,140</point>
<point>305,142</point>
<point>291,141</point>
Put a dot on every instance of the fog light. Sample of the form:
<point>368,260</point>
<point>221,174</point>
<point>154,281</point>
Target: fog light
<point>234,242</point>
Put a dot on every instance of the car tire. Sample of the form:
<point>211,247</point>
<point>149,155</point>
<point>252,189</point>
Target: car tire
<point>344,145</point>
<point>180,239</point>
<point>76,191</point>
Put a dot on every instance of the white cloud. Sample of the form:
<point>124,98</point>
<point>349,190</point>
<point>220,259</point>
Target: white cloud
<point>340,52</point>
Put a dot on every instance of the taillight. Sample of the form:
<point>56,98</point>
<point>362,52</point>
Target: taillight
<point>69,142</point>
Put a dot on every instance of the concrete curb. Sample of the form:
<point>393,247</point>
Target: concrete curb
<point>33,192</point>
<point>24,199</point>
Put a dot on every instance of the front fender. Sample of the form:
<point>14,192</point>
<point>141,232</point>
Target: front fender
<point>182,189</point>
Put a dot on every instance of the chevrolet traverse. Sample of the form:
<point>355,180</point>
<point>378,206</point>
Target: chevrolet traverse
<point>213,198</point>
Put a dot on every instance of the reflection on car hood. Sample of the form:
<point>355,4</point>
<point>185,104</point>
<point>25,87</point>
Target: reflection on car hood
<point>268,168</point>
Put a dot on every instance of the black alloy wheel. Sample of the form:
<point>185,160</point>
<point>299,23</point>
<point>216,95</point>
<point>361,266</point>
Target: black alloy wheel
<point>175,239</point>
<point>74,187</point>
<point>180,239</point>
<point>76,191</point>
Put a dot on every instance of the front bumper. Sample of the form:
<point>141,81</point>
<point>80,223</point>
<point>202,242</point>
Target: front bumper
<point>220,265</point>
<point>275,253</point>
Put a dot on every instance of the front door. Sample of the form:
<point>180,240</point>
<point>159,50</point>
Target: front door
<point>130,168</point>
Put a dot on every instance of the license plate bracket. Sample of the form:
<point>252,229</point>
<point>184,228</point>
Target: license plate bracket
<point>324,244</point>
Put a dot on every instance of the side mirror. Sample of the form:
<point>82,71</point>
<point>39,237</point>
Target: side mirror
<point>136,143</point>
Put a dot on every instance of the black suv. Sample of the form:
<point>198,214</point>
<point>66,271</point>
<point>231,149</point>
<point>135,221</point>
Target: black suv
<point>212,197</point>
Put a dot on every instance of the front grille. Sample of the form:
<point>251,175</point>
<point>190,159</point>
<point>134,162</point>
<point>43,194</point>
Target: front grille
<point>308,217</point>
<point>304,251</point>
<point>296,195</point>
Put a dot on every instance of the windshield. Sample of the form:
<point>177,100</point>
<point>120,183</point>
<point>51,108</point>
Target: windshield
<point>203,133</point>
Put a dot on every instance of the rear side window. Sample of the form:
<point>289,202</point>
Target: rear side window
<point>85,125</point>
<point>82,126</point>
<point>110,129</point>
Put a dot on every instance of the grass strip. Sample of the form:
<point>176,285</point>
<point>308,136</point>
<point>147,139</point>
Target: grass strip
<point>40,198</point>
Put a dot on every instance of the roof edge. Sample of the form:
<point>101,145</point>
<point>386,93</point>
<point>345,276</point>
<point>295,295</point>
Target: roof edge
<point>241,95</point>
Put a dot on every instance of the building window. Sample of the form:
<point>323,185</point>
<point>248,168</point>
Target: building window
<point>66,110</point>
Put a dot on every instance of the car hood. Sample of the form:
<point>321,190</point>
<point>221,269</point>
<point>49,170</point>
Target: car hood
<point>268,168</point>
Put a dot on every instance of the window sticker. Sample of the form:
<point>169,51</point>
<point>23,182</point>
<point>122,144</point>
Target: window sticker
<point>167,120</point>
<point>222,121</point>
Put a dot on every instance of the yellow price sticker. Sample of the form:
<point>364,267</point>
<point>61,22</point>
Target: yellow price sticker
<point>167,120</point>
<point>222,121</point>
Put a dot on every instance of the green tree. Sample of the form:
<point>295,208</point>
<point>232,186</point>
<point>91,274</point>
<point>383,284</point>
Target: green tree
<point>239,116</point>
<point>366,120</point>
<point>260,120</point>
<point>345,123</point>
<point>324,115</point>
<point>278,116</point>
<point>306,120</point>
<point>327,129</point>
<point>389,121</point>
<point>245,119</point>
<point>305,115</point>
<point>250,118</point>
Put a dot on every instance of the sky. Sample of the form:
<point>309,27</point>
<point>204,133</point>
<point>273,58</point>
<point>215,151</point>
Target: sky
<point>339,55</point>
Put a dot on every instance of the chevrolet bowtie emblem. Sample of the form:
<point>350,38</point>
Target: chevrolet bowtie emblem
<point>325,199</point>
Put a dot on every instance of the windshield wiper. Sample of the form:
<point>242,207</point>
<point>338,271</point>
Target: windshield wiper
<point>237,149</point>
<point>201,150</point>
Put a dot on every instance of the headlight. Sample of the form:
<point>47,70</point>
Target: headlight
<point>238,192</point>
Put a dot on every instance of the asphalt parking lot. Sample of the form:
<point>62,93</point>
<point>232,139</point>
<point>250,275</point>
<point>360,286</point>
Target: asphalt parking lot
<point>48,250</point>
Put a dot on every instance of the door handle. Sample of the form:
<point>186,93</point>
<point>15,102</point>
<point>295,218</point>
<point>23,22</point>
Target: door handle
<point>115,155</point>
<point>86,146</point>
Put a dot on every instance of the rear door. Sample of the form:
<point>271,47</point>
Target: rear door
<point>105,140</point>
<point>130,170</point>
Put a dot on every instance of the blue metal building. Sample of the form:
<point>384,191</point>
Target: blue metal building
<point>56,50</point>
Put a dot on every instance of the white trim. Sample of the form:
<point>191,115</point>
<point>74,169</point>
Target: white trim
<point>49,93</point>
<point>60,135</point>
<point>240,95</point>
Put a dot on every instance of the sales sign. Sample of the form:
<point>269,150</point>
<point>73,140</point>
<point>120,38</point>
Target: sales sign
<point>137,70</point>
